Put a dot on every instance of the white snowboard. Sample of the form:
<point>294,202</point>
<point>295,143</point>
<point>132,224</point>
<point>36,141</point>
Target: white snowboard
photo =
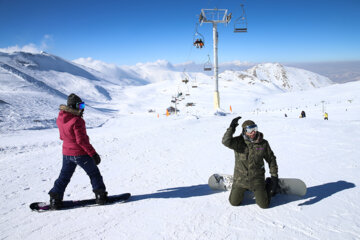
<point>290,186</point>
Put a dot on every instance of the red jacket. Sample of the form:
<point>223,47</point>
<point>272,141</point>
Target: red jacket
<point>73,133</point>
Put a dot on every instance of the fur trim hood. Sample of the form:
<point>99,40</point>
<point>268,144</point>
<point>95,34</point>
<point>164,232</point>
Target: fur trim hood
<point>76,112</point>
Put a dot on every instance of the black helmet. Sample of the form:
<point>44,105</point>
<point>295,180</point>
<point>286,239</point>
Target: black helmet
<point>73,100</point>
<point>247,123</point>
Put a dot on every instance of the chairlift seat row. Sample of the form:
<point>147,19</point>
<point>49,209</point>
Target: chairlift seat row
<point>240,24</point>
<point>199,40</point>
<point>208,65</point>
<point>199,43</point>
<point>240,29</point>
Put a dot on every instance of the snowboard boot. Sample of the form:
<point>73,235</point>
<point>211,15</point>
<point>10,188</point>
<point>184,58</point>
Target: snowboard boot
<point>101,197</point>
<point>56,201</point>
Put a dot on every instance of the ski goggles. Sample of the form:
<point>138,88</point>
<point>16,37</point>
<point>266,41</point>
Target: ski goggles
<point>80,105</point>
<point>251,128</point>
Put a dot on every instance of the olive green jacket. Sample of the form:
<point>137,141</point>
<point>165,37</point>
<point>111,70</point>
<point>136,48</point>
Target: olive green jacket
<point>249,169</point>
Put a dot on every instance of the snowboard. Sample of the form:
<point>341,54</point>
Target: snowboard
<point>70,204</point>
<point>289,186</point>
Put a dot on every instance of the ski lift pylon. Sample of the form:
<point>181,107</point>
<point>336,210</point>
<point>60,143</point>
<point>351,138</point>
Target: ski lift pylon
<point>240,24</point>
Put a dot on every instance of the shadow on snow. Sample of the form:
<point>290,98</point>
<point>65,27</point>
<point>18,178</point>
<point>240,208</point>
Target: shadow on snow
<point>318,193</point>
<point>178,192</point>
<point>314,194</point>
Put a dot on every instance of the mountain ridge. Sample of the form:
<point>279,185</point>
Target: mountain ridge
<point>34,85</point>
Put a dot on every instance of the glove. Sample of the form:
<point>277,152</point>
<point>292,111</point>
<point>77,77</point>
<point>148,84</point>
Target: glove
<point>234,122</point>
<point>274,185</point>
<point>96,158</point>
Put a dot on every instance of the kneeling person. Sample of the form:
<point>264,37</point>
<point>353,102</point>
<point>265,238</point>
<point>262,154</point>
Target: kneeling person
<point>250,150</point>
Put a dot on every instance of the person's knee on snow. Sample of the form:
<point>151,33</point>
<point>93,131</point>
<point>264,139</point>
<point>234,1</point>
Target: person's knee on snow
<point>236,196</point>
<point>261,198</point>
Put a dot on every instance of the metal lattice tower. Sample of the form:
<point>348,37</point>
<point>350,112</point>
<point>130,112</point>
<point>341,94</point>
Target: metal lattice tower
<point>215,16</point>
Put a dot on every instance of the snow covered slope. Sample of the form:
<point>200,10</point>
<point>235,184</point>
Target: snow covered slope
<point>49,72</point>
<point>277,76</point>
<point>165,162</point>
<point>34,85</point>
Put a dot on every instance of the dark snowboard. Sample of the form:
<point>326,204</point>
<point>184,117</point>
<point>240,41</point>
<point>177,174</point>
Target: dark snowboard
<point>45,206</point>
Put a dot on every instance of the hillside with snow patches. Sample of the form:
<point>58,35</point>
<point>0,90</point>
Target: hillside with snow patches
<point>165,162</point>
<point>40,82</point>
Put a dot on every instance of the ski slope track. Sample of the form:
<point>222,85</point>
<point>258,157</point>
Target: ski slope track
<point>165,162</point>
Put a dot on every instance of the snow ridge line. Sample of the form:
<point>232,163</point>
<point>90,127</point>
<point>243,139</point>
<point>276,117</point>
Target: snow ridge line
<point>32,80</point>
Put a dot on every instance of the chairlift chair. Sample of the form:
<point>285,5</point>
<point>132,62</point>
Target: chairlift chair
<point>208,65</point>
<point>185,77</point>
<point>194,85</point>
<point>199,40</point>
<point>207,68</point>
<point>240,27</point>
<point>187,92</point>
<point>240,24</point>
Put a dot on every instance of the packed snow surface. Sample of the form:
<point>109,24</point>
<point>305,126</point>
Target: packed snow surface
<point>165,162</point>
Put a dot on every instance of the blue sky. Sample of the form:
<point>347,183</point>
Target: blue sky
<point>126,32</point>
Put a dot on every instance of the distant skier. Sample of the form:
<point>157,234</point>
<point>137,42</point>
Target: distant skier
<point>249,174</point>
<point>76,150</point>
<point>303,115</point>
<point>326,116</point>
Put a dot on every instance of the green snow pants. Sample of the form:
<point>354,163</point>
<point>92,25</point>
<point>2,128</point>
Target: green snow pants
<point>262,197</point>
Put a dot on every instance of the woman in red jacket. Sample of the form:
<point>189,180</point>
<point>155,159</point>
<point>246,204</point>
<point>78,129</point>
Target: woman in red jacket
<point>76,150</point>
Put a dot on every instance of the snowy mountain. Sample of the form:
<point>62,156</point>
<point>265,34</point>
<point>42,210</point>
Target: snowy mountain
<point>339,72</point>
<point>34,85</point>
<point>165,162</point>
<point>277,76</point>
<point>150,72</point>
<point>282,77</point>
<point>41,82</point>
<point>54,74</point>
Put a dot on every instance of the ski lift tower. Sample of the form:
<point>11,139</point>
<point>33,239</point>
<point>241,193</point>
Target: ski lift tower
<point>215,16</point>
